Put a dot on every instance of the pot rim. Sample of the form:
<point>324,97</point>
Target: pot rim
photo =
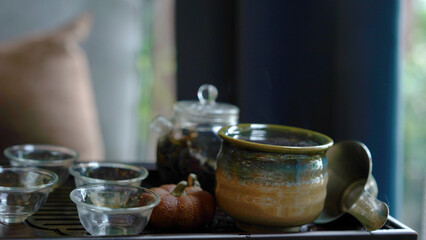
<point>224,133</point>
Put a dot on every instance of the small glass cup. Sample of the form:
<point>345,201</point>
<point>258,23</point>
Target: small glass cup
<point>114,209</point>
<point>54,158</point>
<point>23,191</point>
<point>107,173</point>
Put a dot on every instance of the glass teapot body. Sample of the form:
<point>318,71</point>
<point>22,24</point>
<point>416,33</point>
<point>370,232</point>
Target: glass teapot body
<point>189,143</point>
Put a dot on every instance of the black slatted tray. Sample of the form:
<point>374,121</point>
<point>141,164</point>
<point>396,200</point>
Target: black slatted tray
<point>58,218</point>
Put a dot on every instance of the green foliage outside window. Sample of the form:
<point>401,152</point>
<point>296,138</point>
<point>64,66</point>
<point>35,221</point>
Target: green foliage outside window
<point>414,95</point>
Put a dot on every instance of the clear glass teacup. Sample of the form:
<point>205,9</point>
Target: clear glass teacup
<point>51,157</point>
<point>23,191</point>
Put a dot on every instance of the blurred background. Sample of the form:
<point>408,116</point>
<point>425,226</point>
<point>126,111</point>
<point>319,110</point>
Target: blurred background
<point>413,86</point>
<point>125,39</point>
<point>349,69</point>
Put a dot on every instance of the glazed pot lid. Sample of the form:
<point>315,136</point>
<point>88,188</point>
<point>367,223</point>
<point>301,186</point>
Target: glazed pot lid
<point>207,110</point>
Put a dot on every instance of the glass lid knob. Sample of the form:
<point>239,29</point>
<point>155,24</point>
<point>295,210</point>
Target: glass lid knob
<point>207,94</point>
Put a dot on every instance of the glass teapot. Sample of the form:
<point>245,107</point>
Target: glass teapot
<point>188,142</point>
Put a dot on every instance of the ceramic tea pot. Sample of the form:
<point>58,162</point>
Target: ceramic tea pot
<point>188,142</point>
<point>271,178</point>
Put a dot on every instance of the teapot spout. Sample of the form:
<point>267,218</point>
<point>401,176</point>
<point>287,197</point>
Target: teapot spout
<point>161,125</point>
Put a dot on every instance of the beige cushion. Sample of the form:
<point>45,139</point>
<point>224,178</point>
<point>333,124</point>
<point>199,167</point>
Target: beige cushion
<point>46,94</point>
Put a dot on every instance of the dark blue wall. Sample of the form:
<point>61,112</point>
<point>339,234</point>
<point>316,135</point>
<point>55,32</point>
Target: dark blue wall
<point>326,65</point>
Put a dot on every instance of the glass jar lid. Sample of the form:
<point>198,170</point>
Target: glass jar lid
<point>207,110</point>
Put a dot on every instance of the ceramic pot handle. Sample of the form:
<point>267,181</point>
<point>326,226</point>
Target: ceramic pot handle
<point>369,211</point>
